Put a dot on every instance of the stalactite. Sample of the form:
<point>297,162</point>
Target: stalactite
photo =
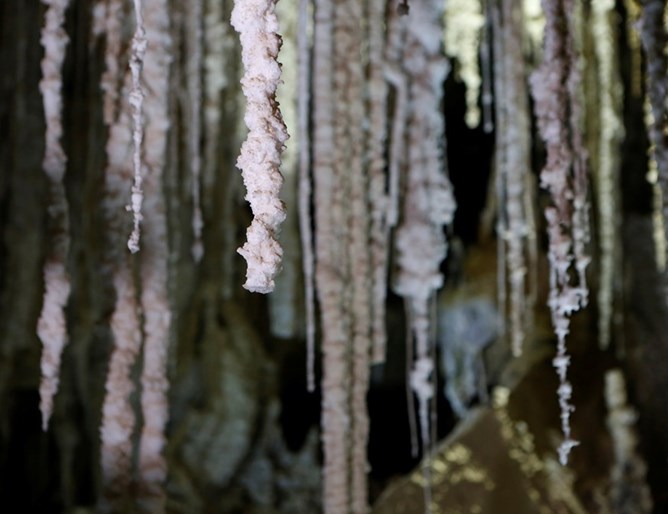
<point>610,134</point>
<point>628,489</point>
<point>305,190</point>
<point>513,163</point>
<point>378,198</point>
<point>554,88</point>
<point>330,267</point>
<point>349,39</point>
<point>654,37</point>
<point>428,203</point>
<point>464,23</point>
<point>156,309</point>
<point>196,51</point>
<point>256,22</point>
<point>118,418</point>
<point>139,43</point>
<point>52,323</point>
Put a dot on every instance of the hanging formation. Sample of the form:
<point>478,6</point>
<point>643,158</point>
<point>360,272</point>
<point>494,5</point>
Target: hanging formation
<point>375,199</point>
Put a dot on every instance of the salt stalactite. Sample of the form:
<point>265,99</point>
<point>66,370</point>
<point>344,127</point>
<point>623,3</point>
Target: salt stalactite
<point>428,203</point>
<point>350,94</point>
<point>654,38</point>
<point>152,468</point>
<point>513,155</point>
<point>628,486</point>
<point>378,198</point>
<point>464,22</point>
<point>52,323</point>
<point>305,192</point>
<point>260,157</point>
<point>554,88</point>
<point>118,418</point>
<point>343,271</point>
<point>610,134</point>
<point>195,62</point>
<point>330,267</point>
<point>139,43</point>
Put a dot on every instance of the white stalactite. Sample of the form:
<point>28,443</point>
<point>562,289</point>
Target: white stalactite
<point>260,157</point>
<point>139,43</point>
<point>428,203</point>
<point>52,323</point>
<point>464,23</point>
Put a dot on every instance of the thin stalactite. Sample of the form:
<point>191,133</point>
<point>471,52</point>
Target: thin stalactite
<point>305,189</point>
<point>139,44</point>
<point>52,323</point>
<point>654,37</point>
<point>194,78</point>
<point>610,135</point>
<point>513,163</point>
<point>378,196</point>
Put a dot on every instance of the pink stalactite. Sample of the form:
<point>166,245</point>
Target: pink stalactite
<point>352,161</point>
<point>52,323</point>
<point>152,467</point>
<point>330,267</point>
<point>118,418</point>
<point>554,88</point>
<point>378,198</point>
<point>260,156</point>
